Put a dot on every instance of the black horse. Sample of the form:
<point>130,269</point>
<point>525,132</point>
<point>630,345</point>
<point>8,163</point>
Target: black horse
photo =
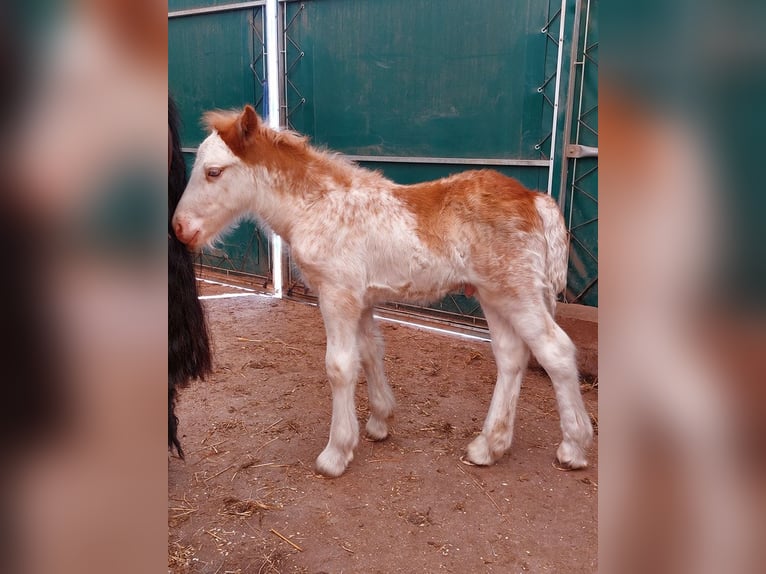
<point>189,354</point>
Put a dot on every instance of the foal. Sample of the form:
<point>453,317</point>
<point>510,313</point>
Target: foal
<point>360,239</point>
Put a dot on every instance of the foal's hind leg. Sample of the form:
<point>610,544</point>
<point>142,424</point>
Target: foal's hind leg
<point>555,351</point>
<point>381,398</point>
<point>511,357</point>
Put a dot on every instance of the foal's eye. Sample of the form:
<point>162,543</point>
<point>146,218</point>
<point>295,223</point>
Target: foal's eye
<point>214,172</point>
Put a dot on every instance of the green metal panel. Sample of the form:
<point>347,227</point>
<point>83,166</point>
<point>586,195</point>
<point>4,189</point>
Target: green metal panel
<point>245,251</point>
<point>407,173</point>
<point>417,77</point>
<point>216,61</point>
<point>209,66</point>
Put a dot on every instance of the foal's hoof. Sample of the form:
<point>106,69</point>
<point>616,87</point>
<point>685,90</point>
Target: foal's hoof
<point>377,429</point>
<point>478,452</point>
<point>332,463</point>
<point>570,456</point>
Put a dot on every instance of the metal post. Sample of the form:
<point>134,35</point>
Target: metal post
<point>579,115</point>
<point>283,117</point>
<point>272,82</point>
<point>570,104</point>
<point>562,19</point>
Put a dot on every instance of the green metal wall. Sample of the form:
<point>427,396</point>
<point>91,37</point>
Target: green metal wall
<point>461,79</point>
<point>216,61</point>
<point>418,77</point>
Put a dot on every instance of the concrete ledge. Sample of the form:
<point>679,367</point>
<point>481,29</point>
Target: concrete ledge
<point>581,324</point>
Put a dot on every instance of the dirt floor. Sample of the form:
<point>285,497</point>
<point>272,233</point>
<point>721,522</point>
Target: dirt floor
<point>248,500</point>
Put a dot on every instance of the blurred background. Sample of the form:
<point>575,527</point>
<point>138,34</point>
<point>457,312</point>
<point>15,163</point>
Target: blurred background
<point>682,266</point>
<point>682,283</point>
<point>84,326</point>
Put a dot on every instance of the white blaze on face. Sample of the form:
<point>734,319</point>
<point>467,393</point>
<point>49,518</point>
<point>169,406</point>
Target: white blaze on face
<point>213,194</point>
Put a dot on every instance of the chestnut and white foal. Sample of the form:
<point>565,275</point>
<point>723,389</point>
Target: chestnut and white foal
<point>360,239</point>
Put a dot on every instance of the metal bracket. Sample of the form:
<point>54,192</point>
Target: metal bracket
<point>578,151</point>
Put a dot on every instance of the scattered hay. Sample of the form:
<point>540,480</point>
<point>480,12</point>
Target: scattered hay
<point>180,512</point>
<point>258,364</point>
<point>272,341</point>
<point>589,383</point>
<point>230,424</point>
<point>419,519</point>
<point>589,482</point>
<point>233,506</point>
<point>443,429</point>
<point>286,539</point>
<point>272,562</point>
<point>432,369</point>
<point>179,557</point>
<point>474,356</point>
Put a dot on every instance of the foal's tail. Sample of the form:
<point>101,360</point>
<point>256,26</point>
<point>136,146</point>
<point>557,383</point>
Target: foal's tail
<point>557,246</point>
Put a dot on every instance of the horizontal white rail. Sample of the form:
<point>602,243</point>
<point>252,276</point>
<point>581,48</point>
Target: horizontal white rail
<point>214,9</point>
<point>436,160</point>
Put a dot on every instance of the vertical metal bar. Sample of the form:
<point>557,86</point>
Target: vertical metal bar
<point>272,82</point>
<point>570,103</point>
<point>579,110</point>
<point>559,64</point>
<point>254,59</point>
<point>282,39</point>
<point>262,13</point>
<point>272,61</point>
<point>582,70</point>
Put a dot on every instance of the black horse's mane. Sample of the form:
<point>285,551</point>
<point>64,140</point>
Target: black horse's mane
<point>189,354</point>
<point>177,173</point>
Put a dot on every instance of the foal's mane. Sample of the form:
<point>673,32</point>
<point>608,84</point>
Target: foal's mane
<point>223,121</point>
<point>218,120</point>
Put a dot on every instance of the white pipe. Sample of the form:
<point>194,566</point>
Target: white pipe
<point>231,296</point>
<point>272,82</point>
<point>482,338</point>
<point>211,282</point>
<point>215,9</point>
<point>272,62</point>
<point>276,250</point>
<point>562,18</point>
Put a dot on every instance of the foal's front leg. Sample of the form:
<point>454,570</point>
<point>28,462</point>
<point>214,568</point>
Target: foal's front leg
<point>341,318</point>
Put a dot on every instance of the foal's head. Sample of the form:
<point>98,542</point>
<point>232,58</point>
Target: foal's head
<point>217,192</point>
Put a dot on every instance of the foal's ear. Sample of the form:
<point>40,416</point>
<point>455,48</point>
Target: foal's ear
<point>248,122</point>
